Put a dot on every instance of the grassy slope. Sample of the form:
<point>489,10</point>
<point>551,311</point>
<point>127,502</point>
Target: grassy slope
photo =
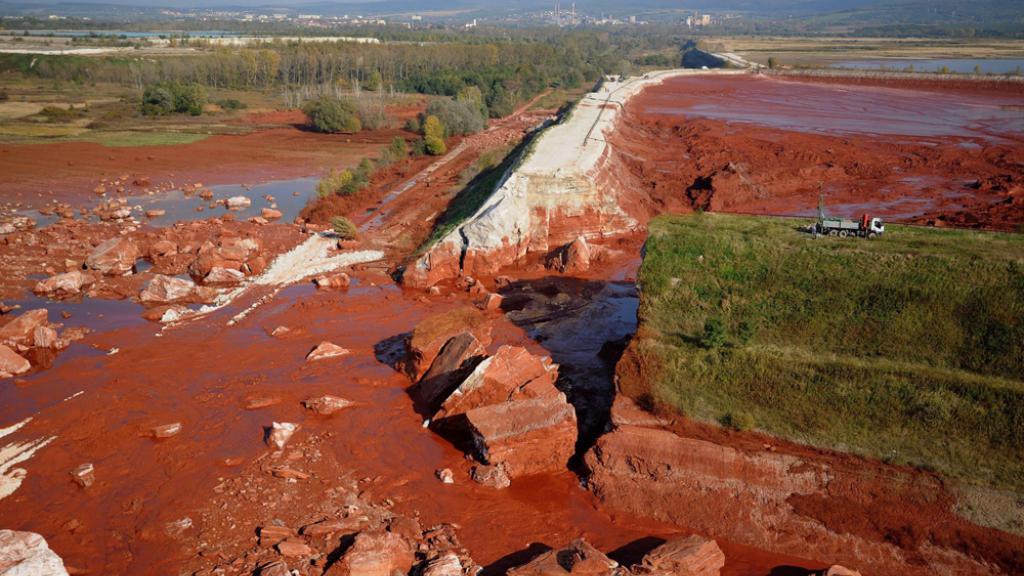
<point>907,348</point>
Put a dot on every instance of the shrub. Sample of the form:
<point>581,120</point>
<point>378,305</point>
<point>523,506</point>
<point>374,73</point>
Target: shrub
<point>371,113</point>
<point>344,228</point>
<point>738,421</point>
<point>395,152</point>
<point>413,125</point>
<point>333,116</point>
<point>167,98</point>
<point>232,104</point>
<point>472,96</point>
<point>334,182</point>
<point>715,335</point>
<point>59,114</point>
<point>157,101</point>
<point>458,117</point>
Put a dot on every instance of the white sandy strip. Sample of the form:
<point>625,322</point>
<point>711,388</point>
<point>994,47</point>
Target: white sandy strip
<point>312,257</point>
<point>15,453</point>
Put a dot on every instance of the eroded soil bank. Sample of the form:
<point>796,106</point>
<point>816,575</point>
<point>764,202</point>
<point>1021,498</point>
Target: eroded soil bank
<point>769,145</point>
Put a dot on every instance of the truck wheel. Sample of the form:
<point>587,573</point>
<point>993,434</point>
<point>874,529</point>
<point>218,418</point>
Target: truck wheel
<point>872,236</point>
<point>833,233</point>
<point>842,233</point>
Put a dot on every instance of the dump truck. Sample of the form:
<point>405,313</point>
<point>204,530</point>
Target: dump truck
<point>866,227</point>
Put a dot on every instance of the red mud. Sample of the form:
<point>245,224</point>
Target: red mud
<point>37,174</point>
<point>767,146</point>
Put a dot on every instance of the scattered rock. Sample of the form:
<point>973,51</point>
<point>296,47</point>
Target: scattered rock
<point>280,433</point>
<point>238,203</point>
<point>28,554</point>
<point>333,281</point>
<point>325,350</point>
<point>294,549</point>
<point>44,337</point>
<point>686,556</point>
<point>573,257</point>
<point>280,331</point>
<point>288,473</point>
<point>155,213</point>
<point>445,476</point>
<point>21,330</point>
<point>257,402</point>
<point>63,285</point>
<point>11,364</point>
<point>578,558</point>
<point>491,476</point>
<point>165,430</point>
<point>273,535</point>
<point>115,257</point>
<point>167,289</point>
<point>84,475</point>
<point>271,214</point>
<point>163,248</point>
<point>375,553</point>
<point>447,564</point>
<point>221,275</point>
<point>326,405</point>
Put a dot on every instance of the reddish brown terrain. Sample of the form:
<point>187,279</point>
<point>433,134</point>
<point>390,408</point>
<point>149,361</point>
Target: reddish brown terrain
<point>502,385</point>
<point>934,155</point>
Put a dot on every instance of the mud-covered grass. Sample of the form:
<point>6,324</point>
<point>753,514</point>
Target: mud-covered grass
<point>906,348</point>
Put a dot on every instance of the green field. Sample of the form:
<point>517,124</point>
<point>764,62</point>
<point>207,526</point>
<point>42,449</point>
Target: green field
<point>908,348</point>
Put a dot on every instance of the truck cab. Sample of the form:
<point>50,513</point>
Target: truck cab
<point>875,227</point>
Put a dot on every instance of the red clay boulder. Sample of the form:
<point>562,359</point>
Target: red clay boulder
<point>21,330</point>
<point>11,364</point>
<point>525,436</point>
<point>115,257</point>
<point>375,553</point>
<point>425,342</point>
<point>63,285</point>
<point>167,289</point>
<point>459,355</point>
<point>572,258</point>
<point>512,373</point>
<point>687,556</point>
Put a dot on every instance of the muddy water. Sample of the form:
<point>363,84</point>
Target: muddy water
<point>290,197</point>
<point>839,109</point>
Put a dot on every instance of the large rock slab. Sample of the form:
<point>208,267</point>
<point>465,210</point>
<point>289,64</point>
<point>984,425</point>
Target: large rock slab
<point>512,373</point>
<point>28,554</point>
<point>459,355</point>
<point>527,436</point>
<point>115,257</point>
<point>686,556</point>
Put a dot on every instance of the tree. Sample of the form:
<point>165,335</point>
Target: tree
<point>471,95</point>
<point>375,82</point>
<point>433,136</point>
<point>332,115</point>
<point>458,117</point>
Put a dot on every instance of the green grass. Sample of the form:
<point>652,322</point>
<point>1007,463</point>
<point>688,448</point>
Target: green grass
<point>908,348</point>
<point>120,139</point>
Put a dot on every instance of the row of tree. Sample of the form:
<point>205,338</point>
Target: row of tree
<point>506,71</point>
